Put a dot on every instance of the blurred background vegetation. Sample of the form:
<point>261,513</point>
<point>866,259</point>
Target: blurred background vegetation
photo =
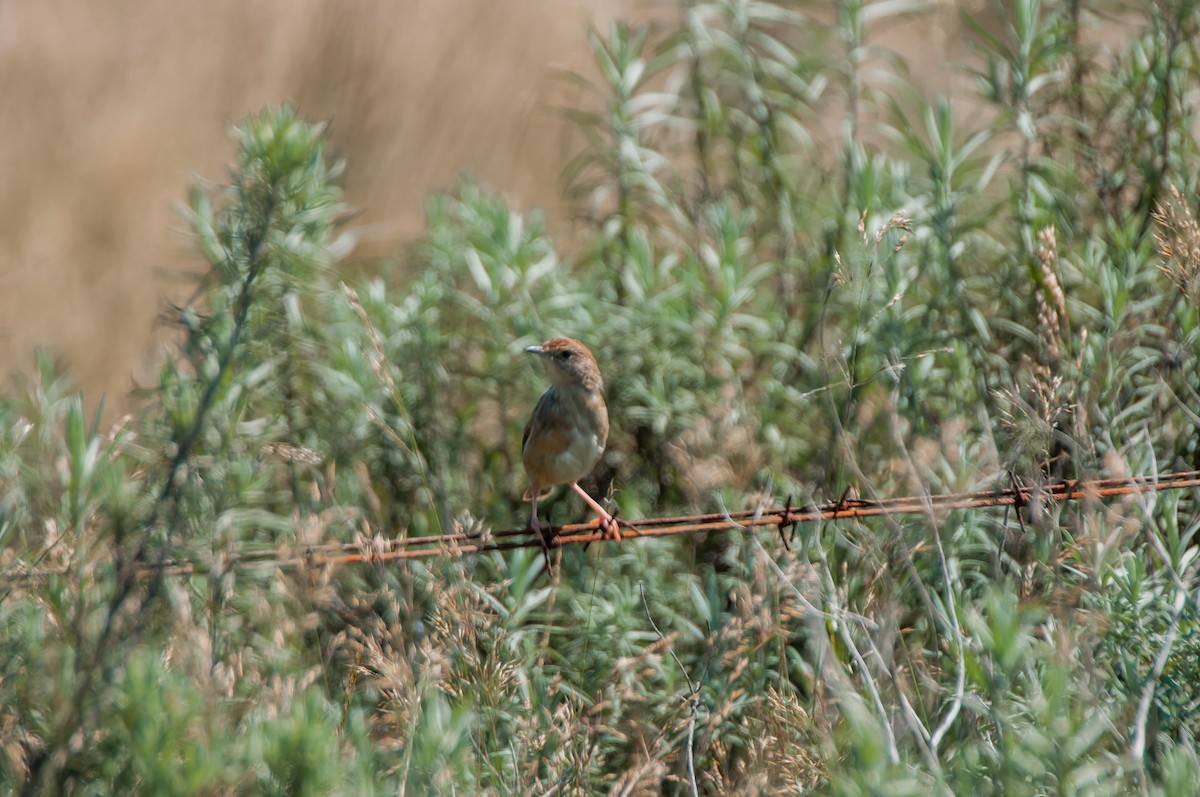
<point>801,273</point>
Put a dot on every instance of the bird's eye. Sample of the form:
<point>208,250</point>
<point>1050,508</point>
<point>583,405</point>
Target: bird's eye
<point>566,354</point>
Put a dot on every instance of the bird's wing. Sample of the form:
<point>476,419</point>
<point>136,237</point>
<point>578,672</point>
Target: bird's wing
<point>551,438</point>
<point>544,405</point>
<point>525,435</point>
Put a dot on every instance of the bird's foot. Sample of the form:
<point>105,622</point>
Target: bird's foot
<point>549,538</point>
<point>537,531</point>
<point>608,524</point>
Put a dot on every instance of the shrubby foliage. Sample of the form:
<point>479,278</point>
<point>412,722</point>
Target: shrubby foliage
<point>785,303</point>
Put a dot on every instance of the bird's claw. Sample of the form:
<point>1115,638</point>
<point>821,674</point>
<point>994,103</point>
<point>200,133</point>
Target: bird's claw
<point>610,528</point>
<point>541,538</point>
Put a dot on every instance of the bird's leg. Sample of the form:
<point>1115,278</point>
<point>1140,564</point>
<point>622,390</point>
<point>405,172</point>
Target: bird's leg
<point>533,520</point>
<point>606,520</point>
<point>537,529</point>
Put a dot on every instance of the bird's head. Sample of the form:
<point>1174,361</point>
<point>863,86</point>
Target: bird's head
<point>569,363</point>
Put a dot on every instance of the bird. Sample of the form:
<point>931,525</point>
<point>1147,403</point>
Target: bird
<point>568,430</point>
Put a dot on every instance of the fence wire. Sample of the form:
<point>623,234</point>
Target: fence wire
<point>784,519</point>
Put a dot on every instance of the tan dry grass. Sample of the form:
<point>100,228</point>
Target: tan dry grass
<point>110,109</point>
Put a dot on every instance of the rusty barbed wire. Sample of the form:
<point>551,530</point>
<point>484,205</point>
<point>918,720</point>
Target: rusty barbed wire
<point>783,518</point>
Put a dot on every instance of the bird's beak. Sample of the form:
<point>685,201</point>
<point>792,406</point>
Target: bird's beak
<point>535,350</point>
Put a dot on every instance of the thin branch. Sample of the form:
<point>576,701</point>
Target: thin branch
<point>1138,748</point>
<point>693,695</point>
<point>838,616</point>
<point>843,630</point>
<point>951,609</point>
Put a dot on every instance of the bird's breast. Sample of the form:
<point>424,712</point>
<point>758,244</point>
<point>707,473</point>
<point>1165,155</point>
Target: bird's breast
<point>566,438</point>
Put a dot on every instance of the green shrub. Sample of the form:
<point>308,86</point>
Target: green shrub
<point>784,309</point>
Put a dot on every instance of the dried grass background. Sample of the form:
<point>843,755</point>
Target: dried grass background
<point>110,109</point>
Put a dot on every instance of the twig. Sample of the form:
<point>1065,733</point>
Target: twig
<point>556,788</point>
<point>844,632</point>
<point>838,616</point>
<point>693,695</point>
<point>1138,748</point>
<point>943,727</point>
<point>1182,590</point>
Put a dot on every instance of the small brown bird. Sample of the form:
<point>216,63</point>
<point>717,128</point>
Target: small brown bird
<point>566,434</point>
